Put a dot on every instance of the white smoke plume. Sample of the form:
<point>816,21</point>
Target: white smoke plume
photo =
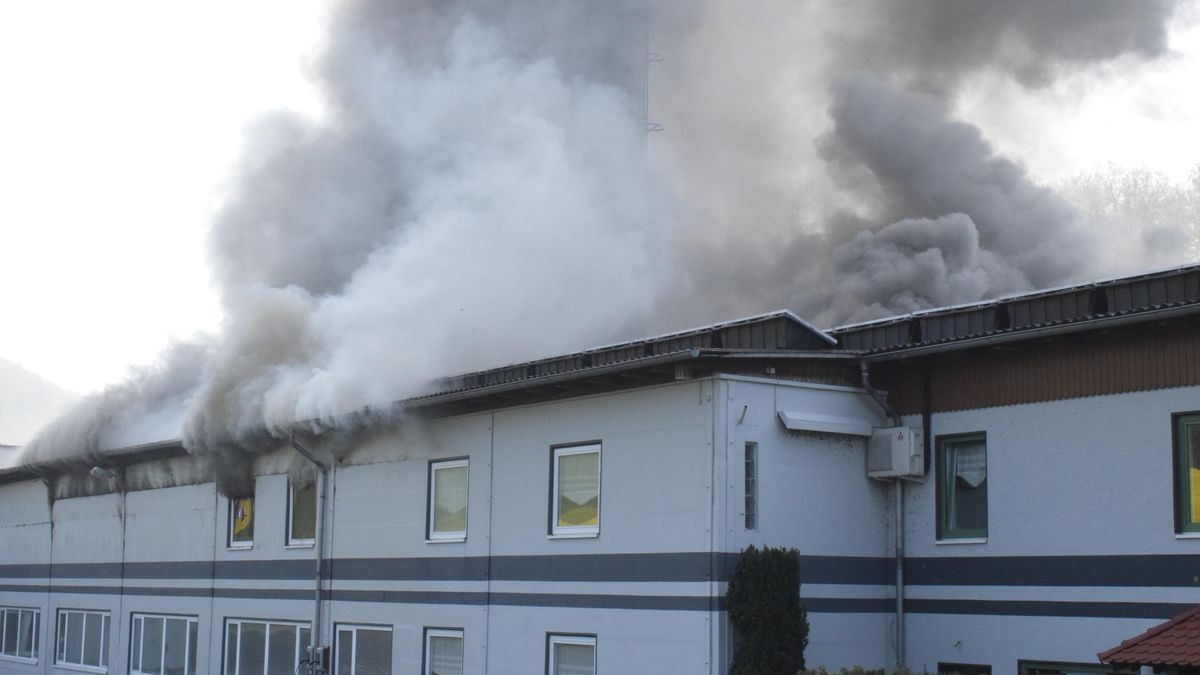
<point>480,192</point>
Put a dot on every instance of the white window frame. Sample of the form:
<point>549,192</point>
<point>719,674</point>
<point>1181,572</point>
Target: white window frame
<point>35,626</point>
<point>427,652</point>
<point>61,636</point>
<point>572,531</point>
<point>433,535</point>
<point>353,628</point>
<point>291,506</point>
<point>240,545</point>
<point>137,629</point>
<point>300,646</point>
<point>553,639</point>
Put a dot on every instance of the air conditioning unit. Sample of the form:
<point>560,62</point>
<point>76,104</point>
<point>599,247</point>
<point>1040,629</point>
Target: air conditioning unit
<point>896,452</point>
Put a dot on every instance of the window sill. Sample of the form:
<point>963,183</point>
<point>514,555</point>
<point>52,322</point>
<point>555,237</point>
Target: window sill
<point>18,659</point>
<point>447,540</point>
<point>573,535</point>
<point>81,668</point>
<point>1187,535</point>
<point>300,544</point>
<point>243,547</point>
<point>952,542</point>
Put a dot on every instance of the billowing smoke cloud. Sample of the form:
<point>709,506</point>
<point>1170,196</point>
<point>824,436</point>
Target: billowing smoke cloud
<point>473,197</point>
<point>480,192</point>
<point>875,83</point>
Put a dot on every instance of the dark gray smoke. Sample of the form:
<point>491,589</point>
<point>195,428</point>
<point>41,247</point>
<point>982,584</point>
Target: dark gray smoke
<point>479,191</point>
<point>783,220</point>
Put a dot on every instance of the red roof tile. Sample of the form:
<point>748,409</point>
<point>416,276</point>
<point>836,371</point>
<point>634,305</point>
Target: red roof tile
<point>1174,643</point>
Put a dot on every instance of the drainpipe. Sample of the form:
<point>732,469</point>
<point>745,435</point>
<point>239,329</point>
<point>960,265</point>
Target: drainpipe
<point>865,374</point>
<point>314,664</point>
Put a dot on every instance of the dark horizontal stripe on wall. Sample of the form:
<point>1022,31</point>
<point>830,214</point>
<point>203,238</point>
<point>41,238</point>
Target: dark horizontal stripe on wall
<point>1101,570</point>
<point>30,571</point>
<point>24,588</point>
<point>1117,610</point>
<point>470,568</point>
<point>96,570</point>
<point>849,605</point>
<point>631,567</point>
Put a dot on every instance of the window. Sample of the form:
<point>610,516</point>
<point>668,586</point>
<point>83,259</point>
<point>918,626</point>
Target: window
<point>264,647</point>
<point>962,487</point>
<point>443,651</point>
<point>82,639</point>
<point>751,486</point>
<point>1187,472</point>
<point>302,515</point>
<point>363,650</point>
<point>162,644</point>
<point>575,491</point>
<point>241,522</point>
<point>963,669</point>
<point>19,634</point>
<point>447,500</point>
<point>571,655</point>
<point>1067,668</point>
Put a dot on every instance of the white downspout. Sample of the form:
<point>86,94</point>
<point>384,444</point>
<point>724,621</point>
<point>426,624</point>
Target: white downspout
<point>314,663</point>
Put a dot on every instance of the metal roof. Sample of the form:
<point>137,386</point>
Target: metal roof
<point>1176,289</point>
<point>773,331</point>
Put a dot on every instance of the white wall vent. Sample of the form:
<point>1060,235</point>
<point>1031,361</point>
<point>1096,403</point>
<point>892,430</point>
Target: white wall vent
<point>896,452</point>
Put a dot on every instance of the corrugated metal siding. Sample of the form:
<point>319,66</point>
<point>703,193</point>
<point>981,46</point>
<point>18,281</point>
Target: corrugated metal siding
<point>1151,358</point>
<point>1044,308</point>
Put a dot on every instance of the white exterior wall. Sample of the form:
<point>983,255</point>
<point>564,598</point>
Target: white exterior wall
<point>651,574</point>
<point>1079,477</point>
<point>814,495</point>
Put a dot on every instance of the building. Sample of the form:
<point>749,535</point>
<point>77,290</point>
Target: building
<point>1037,455</point>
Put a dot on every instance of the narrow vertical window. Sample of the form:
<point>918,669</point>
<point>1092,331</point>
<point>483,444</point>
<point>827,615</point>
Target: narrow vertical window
<point>1187,473</point>
<point>751,463</point>
<point>448,483</point>
<point>575,491</point>
<point>443,651</point>
<point>962,487</point>
<point>302,514</point>
<point>19,634</point>
<point>571,655</point>
<point>241,522</point>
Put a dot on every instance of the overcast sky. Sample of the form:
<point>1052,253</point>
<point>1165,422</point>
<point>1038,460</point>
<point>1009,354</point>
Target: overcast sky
<point>123,119</point>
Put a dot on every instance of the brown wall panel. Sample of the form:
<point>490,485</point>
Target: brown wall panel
<point>1088,364</point>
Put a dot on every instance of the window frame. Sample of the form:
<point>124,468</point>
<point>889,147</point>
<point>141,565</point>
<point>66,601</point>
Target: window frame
<point>945,492</point>
<point>1181,472</point>
<point>431,535</point>
<point>1024,666</point>
<point>964,668</point>
<point>35,634</point>
<point>553,639</point>
<point>557,531</point>
<point>299,542</point>
<point>134,619</point>
<point>230,543</point>
<point>750,466</point>
<point>426,648</point>
<point>299,627</point>
<point>354,628</point>
<point>62,622</point>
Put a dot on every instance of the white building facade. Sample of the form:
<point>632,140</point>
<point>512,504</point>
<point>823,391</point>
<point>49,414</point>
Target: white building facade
<point>583,514</point>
